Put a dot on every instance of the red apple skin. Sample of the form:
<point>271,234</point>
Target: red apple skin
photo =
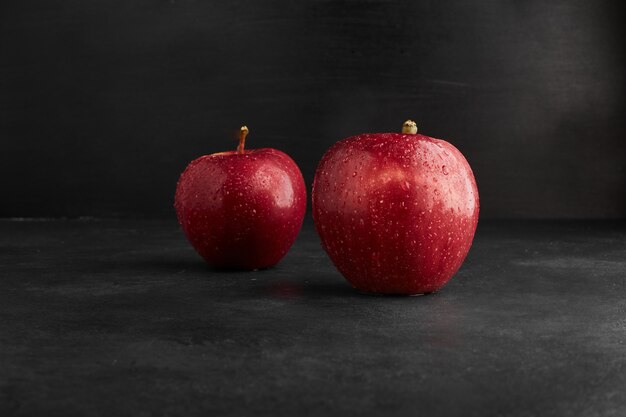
<point>241,211</point>
<point>396,213</point>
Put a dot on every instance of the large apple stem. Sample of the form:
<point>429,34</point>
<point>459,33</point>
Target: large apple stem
<point>243,132</point>
<point>409,127</point>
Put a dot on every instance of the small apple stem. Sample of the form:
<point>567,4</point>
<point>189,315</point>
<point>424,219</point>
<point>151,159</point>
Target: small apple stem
<point>409,127</point>
<point>243,132</point>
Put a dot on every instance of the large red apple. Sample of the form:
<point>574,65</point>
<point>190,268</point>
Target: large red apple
<point>241,209</point>
<point>396,213</point>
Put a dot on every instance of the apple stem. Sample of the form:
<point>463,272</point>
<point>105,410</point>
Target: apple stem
<point>243,132</point>
<point>409,127</point>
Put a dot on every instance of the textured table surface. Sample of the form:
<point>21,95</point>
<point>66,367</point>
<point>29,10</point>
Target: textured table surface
<point>103,318</point>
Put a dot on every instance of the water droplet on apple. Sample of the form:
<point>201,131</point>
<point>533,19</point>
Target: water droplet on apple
<point>444,170</point>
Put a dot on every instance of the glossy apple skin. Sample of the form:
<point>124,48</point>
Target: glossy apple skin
<point>396,213</point>
<point>241,211</point>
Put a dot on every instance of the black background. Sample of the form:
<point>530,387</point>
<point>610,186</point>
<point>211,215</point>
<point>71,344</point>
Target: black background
<point>103,103</point>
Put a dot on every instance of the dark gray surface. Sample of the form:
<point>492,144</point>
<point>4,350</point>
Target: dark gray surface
<point>103,318</point>
<point>103,103</point>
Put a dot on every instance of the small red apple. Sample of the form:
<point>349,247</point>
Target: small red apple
<point>241,209</point>
<point>396,213</point>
